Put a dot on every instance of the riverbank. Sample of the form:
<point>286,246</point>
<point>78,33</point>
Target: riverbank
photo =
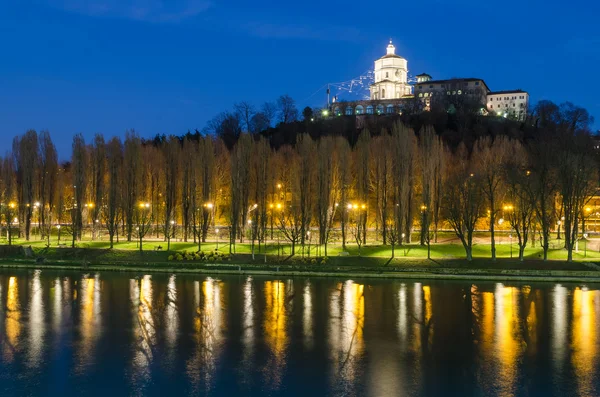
<point>477,270</point>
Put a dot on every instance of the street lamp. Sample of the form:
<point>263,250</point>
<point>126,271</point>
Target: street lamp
<point>58,229</point>
<point>217,233</point>
<point>585,236</point>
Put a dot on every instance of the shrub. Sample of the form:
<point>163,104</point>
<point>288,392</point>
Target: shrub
<point>170,258</point>
<point>178,257</point>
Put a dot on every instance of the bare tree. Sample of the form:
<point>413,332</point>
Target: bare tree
<point>172,157</point>
<point>381,179</point>
<point>8,193</point>
<point>518,180</point>
<point>132,168</point>
<point>48,182</point>
<point>79,164</point>
<point>362,172</point>
<point>327,191</point>
<point>404,153</point>
<point>97,174</point>
<point>25,151</point>
<point>114,155</point>
<point>245,112</point>
<point>577,177</point>
<point>463,200</point>
<point>490,156</point>
<point>240,176</point>
<point>287,109</point>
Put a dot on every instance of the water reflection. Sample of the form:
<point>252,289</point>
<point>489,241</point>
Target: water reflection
<point>144,330</point>
<point>13,319</point>
<point>508,342</point>
<point>275,322</point>
<point>347,310</point>
<point>307,317</point>
<point>90,318</point>
<point>171,317</point>
<point>36,324</point>
<point>584,341</point>
<point>208,328</point>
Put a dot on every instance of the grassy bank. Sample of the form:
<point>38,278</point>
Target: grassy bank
<point>373,262</point>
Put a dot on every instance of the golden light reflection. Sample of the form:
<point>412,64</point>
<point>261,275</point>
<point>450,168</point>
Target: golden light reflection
<point>208,328</point>
<point>560,343</point>
<point>90,317</point>
<point>585,338</point>
<point>248,323</point>
<point>36,321</point>
<point>508,342</point>
<point>13,319</point>
<point>144,331</point>
<point>402,314</point>
<point>347,311</point>
<point>56,296</point>
<point>171,315</point>
<point>307,317</point>
<point>275,323</point>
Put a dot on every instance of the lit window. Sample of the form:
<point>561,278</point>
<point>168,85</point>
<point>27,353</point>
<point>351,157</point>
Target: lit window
<point>453,92</point>
<point>459,92</point>
<point>369,109</point>
<point>448,93</point>
<point>420,95</point>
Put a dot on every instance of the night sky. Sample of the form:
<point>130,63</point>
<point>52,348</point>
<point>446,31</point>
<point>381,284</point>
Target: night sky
<point>163,66</point>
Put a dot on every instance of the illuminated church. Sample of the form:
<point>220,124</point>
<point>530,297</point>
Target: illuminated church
<point>392,89</point>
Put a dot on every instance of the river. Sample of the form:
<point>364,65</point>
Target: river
<point>69,333</point>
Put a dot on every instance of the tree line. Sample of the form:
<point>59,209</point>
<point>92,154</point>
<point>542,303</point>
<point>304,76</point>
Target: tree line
<point>395,182</point>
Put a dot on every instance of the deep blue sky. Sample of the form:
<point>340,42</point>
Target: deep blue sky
<point>166,66</point>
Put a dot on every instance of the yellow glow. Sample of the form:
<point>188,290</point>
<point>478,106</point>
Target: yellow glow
<point>13,318</point>
<point>278,206</point>
<point>279,186</point>
<point>349,206</point>
<point>12,205</point>
<point>275,328</point>
<point>508,345</point>
<point>585,338</point>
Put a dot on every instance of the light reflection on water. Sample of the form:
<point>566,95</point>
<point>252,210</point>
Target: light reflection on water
<point>253,335</point>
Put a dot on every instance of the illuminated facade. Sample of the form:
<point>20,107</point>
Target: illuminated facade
<point>391,76</point>
<point>392,90</point>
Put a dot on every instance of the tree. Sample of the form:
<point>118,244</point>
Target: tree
<point>362,172</point>
<point>79,165</point>
<point>307,114</point>
<point>327,189</point>
<point>517,178</point>
<point>240,175</point>
<point>403,157</point>
<point>431,148</point>
<point>305,183</point>
<point>463,200</point>
<point>48,181</point>
<point>97,174</point>
<point>25,151</point>
<point>132,167</point>
<point>543,185</point>
<point>381,179</point>
<point>114,156</point>
<point>490,157</point>
<point>172,156</point>
<point>245,112</point>
<point>286,109</point>
<point>143,220</point>
<point>8,193</point>
<point>577,177</point>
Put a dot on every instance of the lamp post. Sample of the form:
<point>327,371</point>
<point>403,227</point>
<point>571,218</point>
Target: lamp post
<point>251,236</point>
<point>217,233</point>
<point>585,236</point>
<point>58,229</point>
<point>510,238</point>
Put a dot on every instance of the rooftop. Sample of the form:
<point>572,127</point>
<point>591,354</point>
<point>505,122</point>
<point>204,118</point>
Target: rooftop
<point>519,91</point>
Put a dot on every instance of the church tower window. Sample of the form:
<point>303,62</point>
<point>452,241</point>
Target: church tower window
<point>382,93</point>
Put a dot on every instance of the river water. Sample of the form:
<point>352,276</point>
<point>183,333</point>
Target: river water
<point>68,333</point>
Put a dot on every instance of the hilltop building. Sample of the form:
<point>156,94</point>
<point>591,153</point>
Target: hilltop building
<point>392,91</point>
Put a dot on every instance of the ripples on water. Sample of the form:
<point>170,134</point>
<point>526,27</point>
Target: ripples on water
<point>96,334</point>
